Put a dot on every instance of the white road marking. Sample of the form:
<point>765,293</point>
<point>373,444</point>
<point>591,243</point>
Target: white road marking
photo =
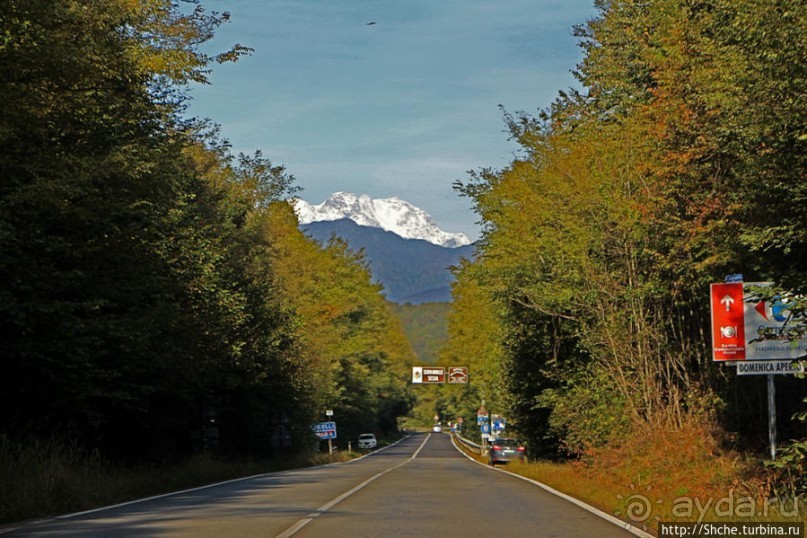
<point>596,511</point>
<point>291,531</point>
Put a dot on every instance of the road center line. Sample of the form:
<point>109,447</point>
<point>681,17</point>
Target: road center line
<point>291,531</point>
<point>415,455</point>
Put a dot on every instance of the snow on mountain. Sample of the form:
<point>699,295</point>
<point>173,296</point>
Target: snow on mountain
<point>390,214</point>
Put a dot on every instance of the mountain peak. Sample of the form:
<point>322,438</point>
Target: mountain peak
<point>390,214</point>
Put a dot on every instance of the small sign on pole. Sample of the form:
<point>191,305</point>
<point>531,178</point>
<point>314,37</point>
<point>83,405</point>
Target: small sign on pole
<point>481,415</point>
<point>762,335</point>
<point>728,322</point>
<point>325,430</point>
<point>769,367</point>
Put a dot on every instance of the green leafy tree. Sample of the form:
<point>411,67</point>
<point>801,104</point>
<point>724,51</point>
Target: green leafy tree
<point>126,300</point>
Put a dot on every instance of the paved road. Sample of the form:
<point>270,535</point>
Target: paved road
<point>420,487</point>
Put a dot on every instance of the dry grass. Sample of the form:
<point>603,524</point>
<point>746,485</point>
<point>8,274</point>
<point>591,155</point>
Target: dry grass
<point>47,478</point>
<point>677,476</point>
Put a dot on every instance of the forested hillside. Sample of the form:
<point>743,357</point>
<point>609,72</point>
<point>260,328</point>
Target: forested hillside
<point>681,160</point>
<point>426,328</point>
<point>156,296</point>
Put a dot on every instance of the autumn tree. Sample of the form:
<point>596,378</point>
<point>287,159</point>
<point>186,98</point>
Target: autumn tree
<point>355,348</point>
<point>673,166</point>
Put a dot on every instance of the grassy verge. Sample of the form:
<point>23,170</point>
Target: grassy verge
<point>40,479</point>
<point>675,476</point>
<point>645,505</point>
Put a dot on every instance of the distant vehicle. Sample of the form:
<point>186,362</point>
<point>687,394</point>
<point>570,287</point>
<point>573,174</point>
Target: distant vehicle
<point>367,440</point>
<point>505,449</point>
<point>437,428</point>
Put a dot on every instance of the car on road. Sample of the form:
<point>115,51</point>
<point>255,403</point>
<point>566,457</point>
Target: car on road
<point>367,440</point>
<point>437,428</point>
<point>506,449</point>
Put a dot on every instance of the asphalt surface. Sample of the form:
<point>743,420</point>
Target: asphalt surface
<point>421,487</point>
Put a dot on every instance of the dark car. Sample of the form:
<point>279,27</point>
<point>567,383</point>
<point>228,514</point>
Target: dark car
<point>503,450</point>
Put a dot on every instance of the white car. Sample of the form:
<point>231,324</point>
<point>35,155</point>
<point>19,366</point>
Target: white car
<point>437,428</point>
<point>367,440</point>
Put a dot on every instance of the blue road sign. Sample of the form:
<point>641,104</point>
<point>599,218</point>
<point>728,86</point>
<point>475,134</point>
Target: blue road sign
<point>486,427</point>
<point>325,430</point>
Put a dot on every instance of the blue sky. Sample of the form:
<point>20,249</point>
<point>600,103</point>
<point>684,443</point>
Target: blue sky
<point>403,107</point>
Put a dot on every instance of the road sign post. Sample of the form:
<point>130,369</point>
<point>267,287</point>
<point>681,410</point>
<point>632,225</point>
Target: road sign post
<point>498,424</point>
<point>728,321</point>
<point>326,430</point>
<point>772,415</point>
<point>787,367</point>
<point>481,415</point>
<point>758,333</point>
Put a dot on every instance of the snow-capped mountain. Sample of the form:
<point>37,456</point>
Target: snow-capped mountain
<point>390,214</point>
<point>410,270</point>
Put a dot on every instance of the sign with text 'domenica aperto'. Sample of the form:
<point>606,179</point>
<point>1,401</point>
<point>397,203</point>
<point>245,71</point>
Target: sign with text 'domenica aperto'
<point>428,374</point>
<point>747,328</point>
<point>769,367</point>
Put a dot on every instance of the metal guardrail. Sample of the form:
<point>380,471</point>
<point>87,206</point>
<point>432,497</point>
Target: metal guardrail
<point>467,443</point>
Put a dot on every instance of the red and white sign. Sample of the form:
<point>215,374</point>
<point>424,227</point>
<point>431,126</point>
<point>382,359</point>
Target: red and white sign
<point>728,322</point>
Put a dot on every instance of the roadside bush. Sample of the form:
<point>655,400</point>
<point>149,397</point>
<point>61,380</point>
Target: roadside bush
<point>46,477</point>
<point>788,472</point>
<point>39,478</point>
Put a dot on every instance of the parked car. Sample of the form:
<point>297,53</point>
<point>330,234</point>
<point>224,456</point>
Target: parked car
<point>505,449</point>
<point>367,440</point>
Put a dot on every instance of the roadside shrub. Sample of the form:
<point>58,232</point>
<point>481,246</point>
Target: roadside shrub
<point>45,478</point>
<point>788,472</point>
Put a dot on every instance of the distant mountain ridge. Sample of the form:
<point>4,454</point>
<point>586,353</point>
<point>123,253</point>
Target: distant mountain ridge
<point>411,270</point>
<point>390,214</point>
